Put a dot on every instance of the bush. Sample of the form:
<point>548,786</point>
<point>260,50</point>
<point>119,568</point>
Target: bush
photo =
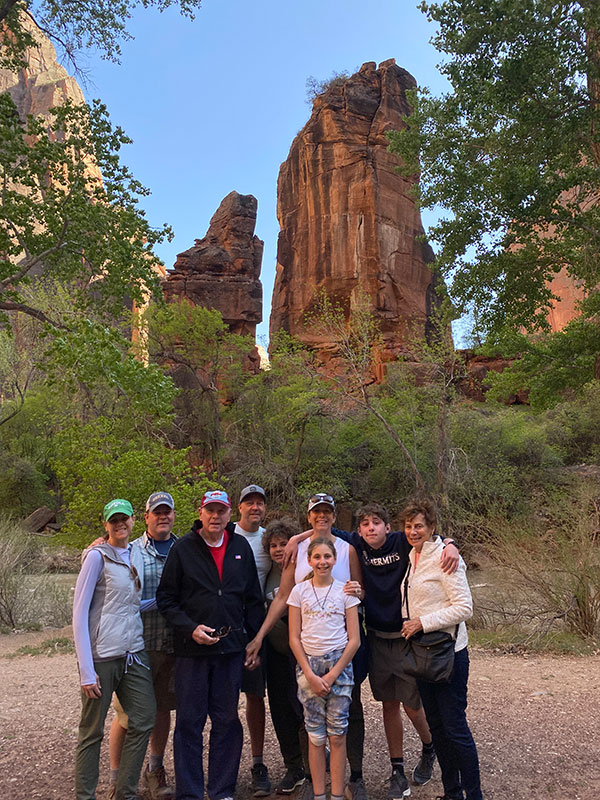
<point>28,595</point>
<point>555,557</point>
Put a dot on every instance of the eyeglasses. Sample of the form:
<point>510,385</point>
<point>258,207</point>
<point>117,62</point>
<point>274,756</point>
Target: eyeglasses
<point>221,633</point>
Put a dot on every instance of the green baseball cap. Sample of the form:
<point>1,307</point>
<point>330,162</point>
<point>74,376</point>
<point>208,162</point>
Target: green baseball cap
<point>117,507</point>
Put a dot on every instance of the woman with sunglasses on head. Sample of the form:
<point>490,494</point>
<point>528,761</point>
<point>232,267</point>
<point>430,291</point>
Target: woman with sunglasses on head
<point>321,517</point>
<point>435,600</point>
<point>109,643</point>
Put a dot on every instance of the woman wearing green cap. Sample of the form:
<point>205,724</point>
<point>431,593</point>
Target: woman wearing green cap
<point>109,643</point>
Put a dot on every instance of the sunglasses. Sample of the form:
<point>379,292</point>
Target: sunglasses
<point>321,498</point>
<point>221,633</point>
<point>135,577</point>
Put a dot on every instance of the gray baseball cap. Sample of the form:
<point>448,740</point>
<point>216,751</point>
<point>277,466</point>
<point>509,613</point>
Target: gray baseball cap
<point>159,499</point>
<point>252,489</point>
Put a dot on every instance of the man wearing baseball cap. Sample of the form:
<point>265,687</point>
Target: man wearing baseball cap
<point>109,643</point>
<point>210,595</point>
<point>149,553</point>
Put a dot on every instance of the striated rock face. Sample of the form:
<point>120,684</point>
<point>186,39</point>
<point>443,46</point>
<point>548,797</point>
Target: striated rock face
<point>348,224</point>
<point>43,84</point>
<point>222,270</point>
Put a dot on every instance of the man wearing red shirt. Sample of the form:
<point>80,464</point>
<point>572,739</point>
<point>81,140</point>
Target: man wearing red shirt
<point>210,595</point>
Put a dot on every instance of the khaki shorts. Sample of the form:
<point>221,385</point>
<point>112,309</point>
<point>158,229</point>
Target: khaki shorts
<point>163,678</point>
<point>387,658</point>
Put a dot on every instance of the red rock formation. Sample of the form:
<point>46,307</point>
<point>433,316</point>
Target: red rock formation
<point>222,270</point>
<point>43,83</point>
<point>348,223</point>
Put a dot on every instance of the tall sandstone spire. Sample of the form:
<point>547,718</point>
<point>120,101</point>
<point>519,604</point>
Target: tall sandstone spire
<point>348,223</point>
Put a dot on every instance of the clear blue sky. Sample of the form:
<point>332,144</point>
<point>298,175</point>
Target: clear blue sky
<point>213,105</point>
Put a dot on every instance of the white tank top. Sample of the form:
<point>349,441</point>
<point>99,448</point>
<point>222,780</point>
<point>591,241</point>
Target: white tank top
<point>341,568</point>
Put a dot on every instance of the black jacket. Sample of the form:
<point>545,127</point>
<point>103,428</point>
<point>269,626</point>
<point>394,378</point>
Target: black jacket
<point>191,593</point>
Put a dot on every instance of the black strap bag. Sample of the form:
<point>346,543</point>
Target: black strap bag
<point>431,655</point>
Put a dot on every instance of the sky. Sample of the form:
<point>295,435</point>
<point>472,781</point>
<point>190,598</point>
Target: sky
<point>212,105</point>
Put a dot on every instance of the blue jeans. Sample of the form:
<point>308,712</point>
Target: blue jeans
<point>207,686</point>
<point>326,716</point>
<point>445,707</point>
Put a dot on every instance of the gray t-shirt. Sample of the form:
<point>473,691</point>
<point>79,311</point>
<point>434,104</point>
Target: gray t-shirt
<point>262,559</point>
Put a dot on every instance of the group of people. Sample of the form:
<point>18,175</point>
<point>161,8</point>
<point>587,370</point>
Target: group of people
<point>166,623</point>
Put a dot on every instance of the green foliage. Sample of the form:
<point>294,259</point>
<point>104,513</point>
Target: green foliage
<point>74,25</point>
<point>58,217</point>
<point>56,645</point>
<point>104,458</point>
<point>512,155</point>
<point>207,364</point>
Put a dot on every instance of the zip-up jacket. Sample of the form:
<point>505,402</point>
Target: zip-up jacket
<point>191,593</point>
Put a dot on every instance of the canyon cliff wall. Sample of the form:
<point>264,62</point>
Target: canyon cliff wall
<point>43,83</point>
<point>348,223</point>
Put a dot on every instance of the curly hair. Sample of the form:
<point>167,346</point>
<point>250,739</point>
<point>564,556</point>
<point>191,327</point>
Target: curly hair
<point>283,528</point>
<point>424,506</point>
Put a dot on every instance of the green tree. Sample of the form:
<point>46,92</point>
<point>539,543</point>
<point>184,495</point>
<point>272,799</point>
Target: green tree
<point>73,25</point>
<point>512,155</point>
<point>70,211</point>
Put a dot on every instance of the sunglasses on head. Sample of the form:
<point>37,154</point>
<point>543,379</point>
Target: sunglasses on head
<point>321,498</point>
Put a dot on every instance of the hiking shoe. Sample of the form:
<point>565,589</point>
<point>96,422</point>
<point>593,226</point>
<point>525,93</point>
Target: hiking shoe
<point>424,770</point>
<point>399,787</point>
<point>291,779</point>
<point>356,790</point>
<point>155,784</point>
<point>261,785</point>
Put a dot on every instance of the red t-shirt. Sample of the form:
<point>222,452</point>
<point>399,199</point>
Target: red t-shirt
<point>218,553</point>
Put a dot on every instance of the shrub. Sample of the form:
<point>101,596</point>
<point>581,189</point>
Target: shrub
<point>28,595</point>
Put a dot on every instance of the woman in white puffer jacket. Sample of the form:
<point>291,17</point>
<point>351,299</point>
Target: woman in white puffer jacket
<point>438,601</point>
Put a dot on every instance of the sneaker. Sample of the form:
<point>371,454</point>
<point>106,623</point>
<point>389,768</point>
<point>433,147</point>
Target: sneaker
<point>356,790</point>
<point>424,770</point>
<point>291,779</point>
<point>261,785</point>
<point>155,784</point>
<point>399,787</point>
<point>306,790</point>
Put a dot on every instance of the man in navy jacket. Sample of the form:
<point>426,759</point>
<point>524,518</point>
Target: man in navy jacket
<point>210,595</point>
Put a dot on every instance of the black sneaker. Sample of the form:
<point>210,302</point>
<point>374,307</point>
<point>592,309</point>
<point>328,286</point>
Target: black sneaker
<point>399,787</point>
<point>291,779</point>
<point>306,790</point>
<point>356,790</point>
<point>261,785</point>
<point>424,770</point>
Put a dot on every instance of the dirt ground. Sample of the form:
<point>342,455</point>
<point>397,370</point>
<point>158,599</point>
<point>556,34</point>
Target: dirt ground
<point>536,721</point>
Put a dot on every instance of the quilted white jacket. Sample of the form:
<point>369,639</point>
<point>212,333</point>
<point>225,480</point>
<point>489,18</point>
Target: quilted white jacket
<point>441,601</point>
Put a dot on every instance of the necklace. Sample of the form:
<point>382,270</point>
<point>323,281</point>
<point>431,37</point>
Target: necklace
<point>319,603</point>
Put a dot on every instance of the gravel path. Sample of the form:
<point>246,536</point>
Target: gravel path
<point>536,721</point>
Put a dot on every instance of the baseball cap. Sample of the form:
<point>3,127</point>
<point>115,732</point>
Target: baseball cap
<point>117,507</point>
<point>215,497</point>
<point>159,499</point>
<point>252,489</point>
<point>321,499</point>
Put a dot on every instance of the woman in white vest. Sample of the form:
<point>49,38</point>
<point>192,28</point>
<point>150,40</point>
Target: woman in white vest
<point>109,643</point>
